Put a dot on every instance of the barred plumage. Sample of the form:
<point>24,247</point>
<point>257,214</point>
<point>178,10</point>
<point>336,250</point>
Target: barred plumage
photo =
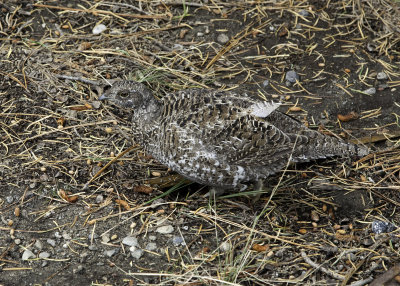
<point>221,138</point>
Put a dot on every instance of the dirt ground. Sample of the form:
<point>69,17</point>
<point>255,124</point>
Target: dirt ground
<point>328,222</point>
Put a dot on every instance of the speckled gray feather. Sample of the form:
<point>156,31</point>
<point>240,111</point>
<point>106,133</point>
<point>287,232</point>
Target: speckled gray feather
<point>221,138</point>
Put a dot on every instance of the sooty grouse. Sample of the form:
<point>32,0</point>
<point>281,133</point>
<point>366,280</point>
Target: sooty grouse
<point>221,138</point>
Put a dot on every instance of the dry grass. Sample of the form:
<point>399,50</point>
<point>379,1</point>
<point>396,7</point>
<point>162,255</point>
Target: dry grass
<point>56,138</point>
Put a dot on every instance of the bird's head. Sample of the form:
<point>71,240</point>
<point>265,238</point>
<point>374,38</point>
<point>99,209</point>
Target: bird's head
<point>129,94</point>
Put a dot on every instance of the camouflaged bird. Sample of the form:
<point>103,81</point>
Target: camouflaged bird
<point>220,138</point>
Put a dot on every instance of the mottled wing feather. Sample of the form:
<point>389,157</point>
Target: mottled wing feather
<point>226,122</point>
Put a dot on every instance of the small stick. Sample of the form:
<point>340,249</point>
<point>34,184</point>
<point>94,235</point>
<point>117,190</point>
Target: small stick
<point>108,164</point>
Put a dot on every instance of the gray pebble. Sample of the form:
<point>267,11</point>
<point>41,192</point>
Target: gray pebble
<point>105,238</point>
<point>177,240</point>
<point>130,241</point>
<point>156,203</point>
<point>152,237</point>
<point>111,252</point>
<point>200,34</point>
<point>92,247</point>
<point>222,38</point>
<point>137,253</point>
<point>17,241</point>
<point>304,13</point>
<point>83,257</point>
<point>78,269</point>
<point>151,246</point>
<point>52,242</point>
<point>225,246</point>
<point>66,236</point>
<point>265,83</point>
<point>166,229</point>
<point>45,263</point>
<point>99,199</point>
<point>96,105</point>
<point>98,29</point>
<point>44,254</point>
<point>368,241</point>
<point>57,234</point>
<point>38,244</point>
<point>93,236</point>
<point>27,254</point>
<point>370,91</point>
<point>292,76</point>
<point>382,76</point>
<point>9,199</point>
<point>379,227</point>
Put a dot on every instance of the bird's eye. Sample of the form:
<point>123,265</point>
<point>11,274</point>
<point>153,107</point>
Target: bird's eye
<point>124,94</point>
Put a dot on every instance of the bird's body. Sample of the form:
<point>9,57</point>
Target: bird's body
<point>219,138</point>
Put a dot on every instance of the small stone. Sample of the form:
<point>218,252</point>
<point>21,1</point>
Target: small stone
<point>17,241</point>
<point>200,34</point>
<point>52,242</point>
<point>99,199</point>
<point>98,29</point>
<point>111,252</point>
<point>93,236</point>
<point>66,236</point>
<point>96,104</point>
<point>367,242</point>
<point>27,255</point>
<point>177,240</point>
<point>370,91</point>
<point>105,238</point>
<point>379,227</point>
<point>166,229</point>
<point>265,83</point>
<point>78,269</point>
<point>137,253</point>
<point>222,38</point>
<point>44,254</point>
<point>382,76</point>
<point>151,246</point>
<point>225,246</point>
<point>92,247</point>
<point>130,241</point>
<point>292,76</point>
<point>152,237</point>
<point>304,13</point>
<point>9,199</point>
<point>38,244</point>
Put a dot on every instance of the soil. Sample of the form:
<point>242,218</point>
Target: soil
<point>327,222</point>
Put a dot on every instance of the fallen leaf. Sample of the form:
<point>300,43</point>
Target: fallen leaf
<point>66,197</point>
<point>123,204</point>
<point>260,248</point>
<point>347,117</point>
<point>143,189</point>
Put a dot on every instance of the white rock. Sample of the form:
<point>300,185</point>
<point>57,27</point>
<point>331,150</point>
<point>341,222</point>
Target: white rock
<point>370,91</point>
<point>222,38</point>
<point>44,254</point>
<point>382,76</point>
<point>98,29</point>
<point>166,229</point>
<point>225,246</point>
<point>130,241</point>
<point>27,254</point>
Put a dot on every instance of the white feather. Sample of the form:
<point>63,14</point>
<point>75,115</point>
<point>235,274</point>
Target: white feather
<point>263,109</point>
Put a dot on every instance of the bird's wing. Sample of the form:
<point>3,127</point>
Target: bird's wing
<point>233,127</point>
